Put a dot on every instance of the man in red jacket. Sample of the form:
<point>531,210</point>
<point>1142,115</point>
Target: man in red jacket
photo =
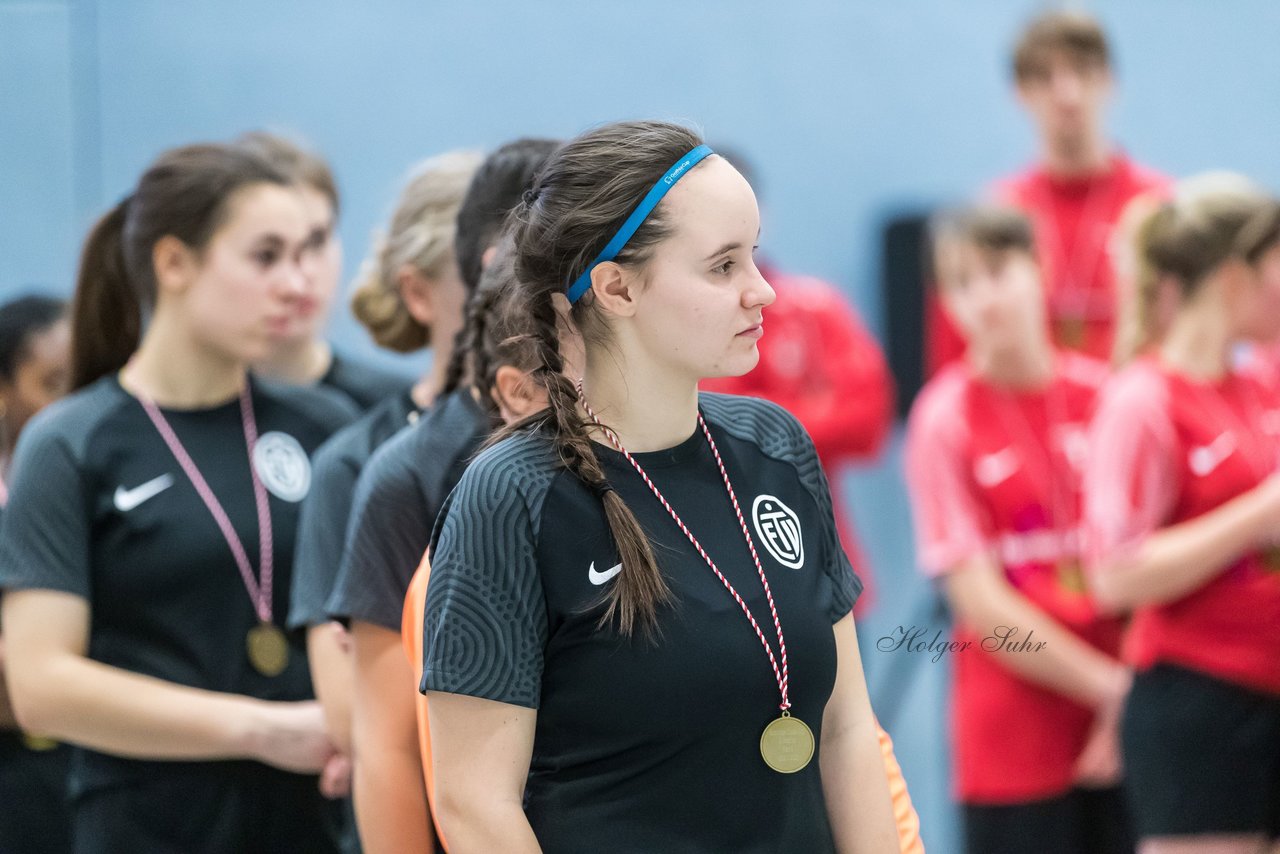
<point>1076,192</point>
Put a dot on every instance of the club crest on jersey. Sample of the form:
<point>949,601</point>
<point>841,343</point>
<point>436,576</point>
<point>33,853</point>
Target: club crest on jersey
<point>282,466</point>
<point>778,527</point>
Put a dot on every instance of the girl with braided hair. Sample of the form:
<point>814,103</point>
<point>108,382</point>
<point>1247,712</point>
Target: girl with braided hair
<point>638,635</point>
<point>393,504</point>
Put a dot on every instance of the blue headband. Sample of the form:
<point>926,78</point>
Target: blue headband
<point>637,218</point>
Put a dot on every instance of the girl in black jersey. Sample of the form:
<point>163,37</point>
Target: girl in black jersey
<point>637,637</point>
<point>302,356</point>
<point>397,497</point>
<point>411,296</point>
<point>145,556</point>
<point>35,352</point>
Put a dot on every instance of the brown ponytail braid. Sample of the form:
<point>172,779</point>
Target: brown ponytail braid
<point>579,200</point>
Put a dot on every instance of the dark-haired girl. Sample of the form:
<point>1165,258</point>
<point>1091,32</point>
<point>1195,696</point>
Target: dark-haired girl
<point>35,351</point>
<point>637,635</point>
<point>399,492</point>
<point>145,555</point>
<point>1183,510</point>
<point>411,296</point>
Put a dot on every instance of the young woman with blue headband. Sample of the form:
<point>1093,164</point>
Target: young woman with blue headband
<point>638,635</point>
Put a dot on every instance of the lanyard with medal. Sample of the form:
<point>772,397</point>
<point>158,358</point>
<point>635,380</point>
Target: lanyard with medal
<point>786,745</point>
<point>265,643</point>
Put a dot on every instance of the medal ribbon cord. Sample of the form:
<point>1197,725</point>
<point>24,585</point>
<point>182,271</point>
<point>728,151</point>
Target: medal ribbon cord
<point>260,588</point>
<point>779,673</point>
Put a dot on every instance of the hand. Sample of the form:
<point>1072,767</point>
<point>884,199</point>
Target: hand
<point>1099,764</point>
<point>335,778</point>
<point>291,737</point>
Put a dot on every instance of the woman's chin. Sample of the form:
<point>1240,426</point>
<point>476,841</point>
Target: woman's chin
<point>735,367</point>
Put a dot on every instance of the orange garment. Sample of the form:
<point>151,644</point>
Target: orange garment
<point>415,601</point>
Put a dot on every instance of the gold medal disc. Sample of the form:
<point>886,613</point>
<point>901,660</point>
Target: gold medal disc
<point>38,743</point>
<point>1071,332</point>
<point>786,744</point>
<point>1071,577</point>
<point>268,649</point>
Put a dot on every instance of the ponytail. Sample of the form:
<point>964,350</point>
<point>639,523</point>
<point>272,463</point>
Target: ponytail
<point>640,589</point>
<point>634,598</point>
<point>185,194</point>
<point>580,198</point>
<point>1212,218</point>
<point>1141,324</point>
<point>106,316</point>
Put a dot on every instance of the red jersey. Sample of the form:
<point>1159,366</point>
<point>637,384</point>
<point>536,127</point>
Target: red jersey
<point>996,472</point>
<point>1073,220</point>
<point>819,363</point>
<point>1165,449</point>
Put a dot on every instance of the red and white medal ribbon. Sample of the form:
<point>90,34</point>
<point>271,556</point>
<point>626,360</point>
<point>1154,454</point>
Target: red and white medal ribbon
<point>780,673</point>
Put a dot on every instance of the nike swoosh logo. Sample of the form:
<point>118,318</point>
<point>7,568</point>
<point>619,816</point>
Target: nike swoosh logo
<point>993,469</point>
<point>598,578</point>
<point>1205,458</point>
<point>128,499</point>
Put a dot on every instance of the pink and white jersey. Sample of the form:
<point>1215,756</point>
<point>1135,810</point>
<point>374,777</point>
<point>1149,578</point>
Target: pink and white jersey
<point>1165,449</point>
<point>997,473</point>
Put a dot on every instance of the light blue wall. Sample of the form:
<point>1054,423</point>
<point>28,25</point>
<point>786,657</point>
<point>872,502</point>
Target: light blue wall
<point>852,111</point>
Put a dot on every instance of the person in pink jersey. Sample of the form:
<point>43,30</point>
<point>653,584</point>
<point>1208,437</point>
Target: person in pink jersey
<point>1077,190</point>
<point>994,453</point>
<point>1183,512</point>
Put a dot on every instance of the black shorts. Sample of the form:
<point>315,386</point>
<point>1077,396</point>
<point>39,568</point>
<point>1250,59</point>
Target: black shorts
<point>1083,821</point>
<point>208,808</point>
<point>34,815</point>
<point>1201,755</point>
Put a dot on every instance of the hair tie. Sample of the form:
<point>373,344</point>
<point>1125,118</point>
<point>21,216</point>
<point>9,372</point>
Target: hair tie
<point>602,488</point>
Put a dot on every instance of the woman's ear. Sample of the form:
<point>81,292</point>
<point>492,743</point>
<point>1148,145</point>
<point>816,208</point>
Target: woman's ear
<point>516,393</point>
<point>615,289</point>
<point>416,293</point>
<point>175,264</point>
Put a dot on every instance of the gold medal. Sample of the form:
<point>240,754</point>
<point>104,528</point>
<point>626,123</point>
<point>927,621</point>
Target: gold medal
<point>38,743</point>
<point>786,744</point>
<point>268,649</point>
<point>1071,576</point>
<point>1070,331</point>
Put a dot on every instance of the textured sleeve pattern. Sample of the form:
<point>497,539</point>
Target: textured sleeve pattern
<point>485,626</point>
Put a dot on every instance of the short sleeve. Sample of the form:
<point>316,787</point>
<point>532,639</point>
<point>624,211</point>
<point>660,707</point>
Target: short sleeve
<point>485,624</point>
<point>322,529</point>
<point>846,586</point>
<point>1130,480</point>
<point>950,525</point>
<point>44,534</point>
<point>389,529</point>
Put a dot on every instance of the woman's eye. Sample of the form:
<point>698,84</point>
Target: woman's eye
<point>724,268</point>
<point>266,259</point>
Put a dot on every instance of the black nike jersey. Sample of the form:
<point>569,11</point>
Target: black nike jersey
<point>398,496</point>
<point>322,527</point>
<point>366,385</point>
<point>648,744</point>
<point>101,509</point>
